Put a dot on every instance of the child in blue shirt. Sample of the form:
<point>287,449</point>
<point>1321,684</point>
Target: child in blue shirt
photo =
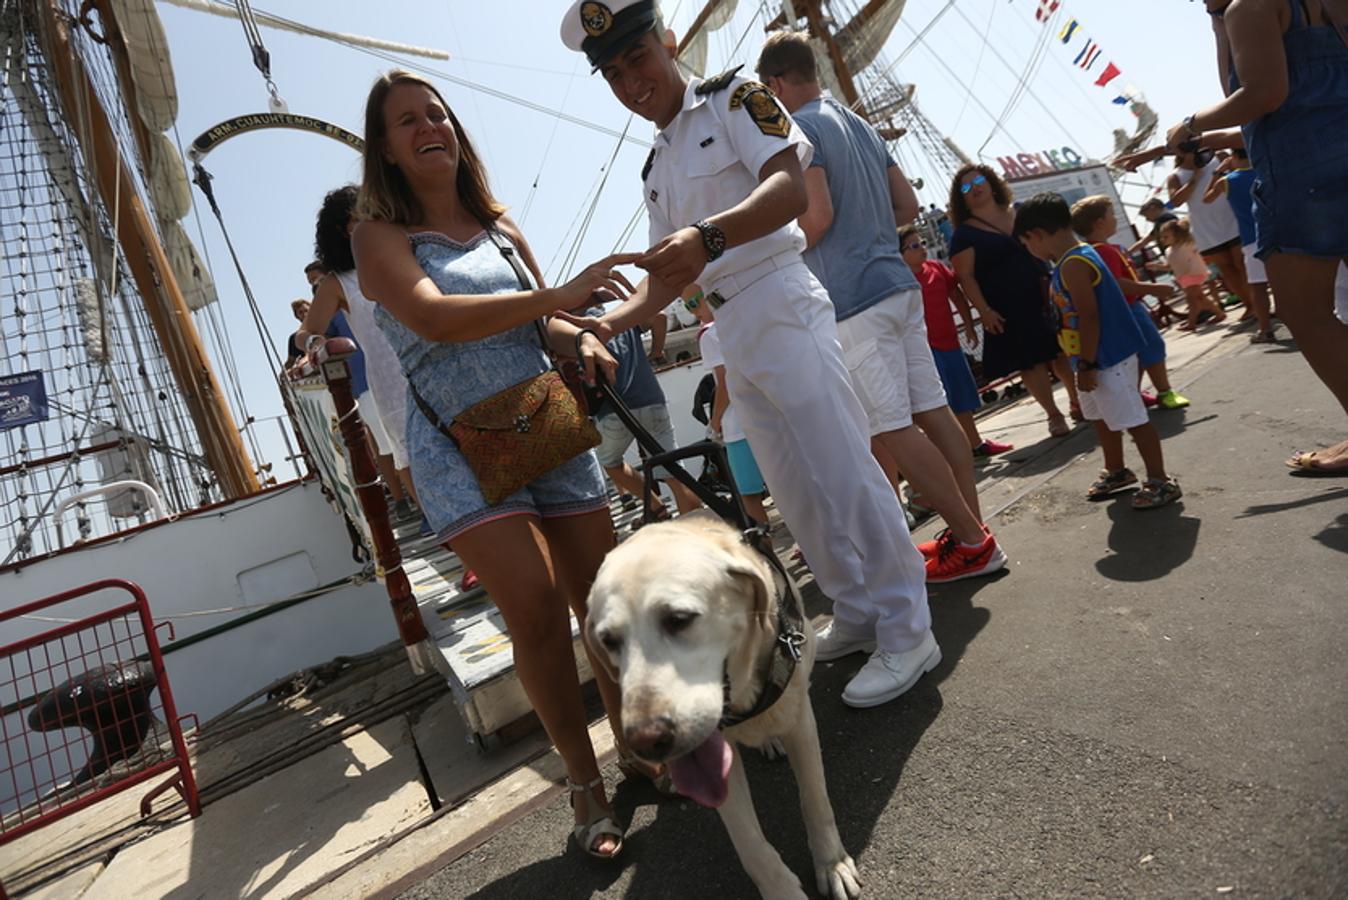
<point>1101,339</point>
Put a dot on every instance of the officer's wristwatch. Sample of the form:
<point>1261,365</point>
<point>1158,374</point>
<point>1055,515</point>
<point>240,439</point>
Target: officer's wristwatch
<point>713,239</point>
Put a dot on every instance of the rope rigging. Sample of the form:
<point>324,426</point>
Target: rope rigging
<point>261,58</point>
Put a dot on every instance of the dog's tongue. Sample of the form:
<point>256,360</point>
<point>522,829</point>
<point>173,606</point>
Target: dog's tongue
<point>701,775</point>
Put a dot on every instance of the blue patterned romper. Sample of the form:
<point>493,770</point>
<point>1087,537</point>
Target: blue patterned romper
<point>452,376</point>
<point>1301,170</point>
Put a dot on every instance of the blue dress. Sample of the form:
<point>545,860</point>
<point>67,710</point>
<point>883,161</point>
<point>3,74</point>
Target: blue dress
<point>453,375</point>
<point>1015,285</point>
<point>1299,152</point>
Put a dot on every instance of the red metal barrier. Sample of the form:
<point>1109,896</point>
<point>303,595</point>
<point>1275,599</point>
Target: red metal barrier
<point>105,672</point>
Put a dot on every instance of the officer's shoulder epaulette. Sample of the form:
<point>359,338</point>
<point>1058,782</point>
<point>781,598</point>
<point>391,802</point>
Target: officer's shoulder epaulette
<point>718,82</point>
<point>650,160</point>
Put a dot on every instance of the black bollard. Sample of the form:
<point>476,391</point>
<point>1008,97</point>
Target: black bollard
<point>112,702</point>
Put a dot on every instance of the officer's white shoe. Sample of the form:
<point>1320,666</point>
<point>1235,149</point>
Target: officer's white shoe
<point>887,675</point>
<point>832,643</point>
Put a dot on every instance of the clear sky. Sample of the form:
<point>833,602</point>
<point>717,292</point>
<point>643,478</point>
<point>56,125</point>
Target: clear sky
<point>269,184</point>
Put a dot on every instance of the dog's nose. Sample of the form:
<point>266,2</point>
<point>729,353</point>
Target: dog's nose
<point>653,738</point>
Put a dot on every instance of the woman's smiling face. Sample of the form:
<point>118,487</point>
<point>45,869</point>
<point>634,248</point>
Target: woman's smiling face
<point>419,136</point>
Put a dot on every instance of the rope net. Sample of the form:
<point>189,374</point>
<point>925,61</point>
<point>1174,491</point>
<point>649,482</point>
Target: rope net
<point>70,313</point>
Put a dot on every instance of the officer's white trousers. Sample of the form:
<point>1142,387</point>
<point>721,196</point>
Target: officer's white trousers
<point>790,389</point>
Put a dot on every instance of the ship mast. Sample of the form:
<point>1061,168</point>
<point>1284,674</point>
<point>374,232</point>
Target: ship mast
<point>156,285</point>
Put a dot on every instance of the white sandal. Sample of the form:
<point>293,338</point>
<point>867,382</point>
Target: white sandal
<point>598,823</point>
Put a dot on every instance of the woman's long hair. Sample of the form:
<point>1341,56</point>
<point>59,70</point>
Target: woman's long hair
<point>959,207</point>
<point>332,240</point>
<point>385,194</point>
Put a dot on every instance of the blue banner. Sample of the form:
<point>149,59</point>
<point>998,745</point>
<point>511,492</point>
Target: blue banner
<point>23,399</point>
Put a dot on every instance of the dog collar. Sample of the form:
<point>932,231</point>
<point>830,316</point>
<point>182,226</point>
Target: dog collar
<point>787,646</point>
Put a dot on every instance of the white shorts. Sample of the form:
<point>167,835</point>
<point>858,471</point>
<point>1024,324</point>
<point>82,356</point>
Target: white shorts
<point>370,415</point>
<point>890,361</point>
<point>1254,266</point>
<point>1116,399</point>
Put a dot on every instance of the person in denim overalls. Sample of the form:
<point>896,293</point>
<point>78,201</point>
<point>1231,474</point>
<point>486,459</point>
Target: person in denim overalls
<point>1285,74</point>
<point>452,307</point>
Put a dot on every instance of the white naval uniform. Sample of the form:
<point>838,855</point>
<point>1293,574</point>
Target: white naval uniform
<point>786,375</point>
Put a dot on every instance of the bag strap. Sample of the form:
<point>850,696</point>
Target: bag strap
<point>526,283</point>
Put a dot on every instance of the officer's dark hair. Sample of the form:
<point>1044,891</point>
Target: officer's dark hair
<point>385,194</point>
<point>332,241</point>
<point>788,54</point>
<point>1047,212</point>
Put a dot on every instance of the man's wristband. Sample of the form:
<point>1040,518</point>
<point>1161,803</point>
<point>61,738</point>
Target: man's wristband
<point>1189,126</point>
<point>1088,365</point>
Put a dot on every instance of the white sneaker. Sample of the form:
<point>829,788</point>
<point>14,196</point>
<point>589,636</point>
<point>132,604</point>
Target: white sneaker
<point>887,675</point>
<point>832,643</point>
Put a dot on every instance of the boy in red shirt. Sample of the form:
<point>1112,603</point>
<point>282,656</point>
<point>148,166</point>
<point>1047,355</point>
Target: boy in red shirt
<point>940,287</point>
<point>1093,220</point>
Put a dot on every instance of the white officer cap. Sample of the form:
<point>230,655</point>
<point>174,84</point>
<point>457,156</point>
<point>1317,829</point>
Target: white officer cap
<point>603,30</point>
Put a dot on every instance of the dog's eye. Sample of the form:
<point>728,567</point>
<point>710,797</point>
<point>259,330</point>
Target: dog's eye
<point>677,621</point>
<point>612,643</point>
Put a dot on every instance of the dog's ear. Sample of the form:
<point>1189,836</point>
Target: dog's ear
<point>596,650</point>
<point>743,659</point>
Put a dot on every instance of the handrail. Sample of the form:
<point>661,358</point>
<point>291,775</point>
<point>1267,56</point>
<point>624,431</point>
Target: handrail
<point>156,502</point>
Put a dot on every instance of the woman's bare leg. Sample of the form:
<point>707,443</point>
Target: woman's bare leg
<point>1040,386</point>
<point>515,563</point>
<point>1305,289</point>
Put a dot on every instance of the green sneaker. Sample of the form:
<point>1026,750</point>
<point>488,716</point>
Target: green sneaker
<point>1172,400</point>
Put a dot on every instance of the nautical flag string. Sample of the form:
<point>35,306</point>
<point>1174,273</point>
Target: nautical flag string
<point>1090,52</point>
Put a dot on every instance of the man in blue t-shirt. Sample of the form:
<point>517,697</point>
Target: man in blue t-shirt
<point>858,200</point>
<point>640,392</point>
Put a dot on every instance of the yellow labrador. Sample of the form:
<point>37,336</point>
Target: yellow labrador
<point>678,612</point>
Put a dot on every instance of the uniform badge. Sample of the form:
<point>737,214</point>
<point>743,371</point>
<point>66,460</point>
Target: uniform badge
<point>758,103</point>
<point>595,18</point>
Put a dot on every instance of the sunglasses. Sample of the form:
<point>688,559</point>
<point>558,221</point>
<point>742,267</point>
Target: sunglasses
<point>970,185</point>
<point>691,303</point>
<point>916,245</point>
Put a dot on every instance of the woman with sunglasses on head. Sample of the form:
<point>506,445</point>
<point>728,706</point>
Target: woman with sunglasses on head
<point>1284,67</point>
<point>435,251</point>
<point>1008,288</point>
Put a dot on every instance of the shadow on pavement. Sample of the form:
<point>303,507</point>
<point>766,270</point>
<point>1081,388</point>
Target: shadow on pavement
<point>1147,544</point>
<point>683,851</point>
<point>1266,508</point>
<point>1335,534</point>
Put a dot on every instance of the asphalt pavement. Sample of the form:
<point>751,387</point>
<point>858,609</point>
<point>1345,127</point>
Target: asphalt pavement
<point>1146,704</point>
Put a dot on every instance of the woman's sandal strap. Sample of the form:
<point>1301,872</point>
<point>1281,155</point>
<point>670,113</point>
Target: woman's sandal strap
<point>582,788</point>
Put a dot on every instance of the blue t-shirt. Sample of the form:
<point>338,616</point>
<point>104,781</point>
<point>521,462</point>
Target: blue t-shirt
<point>1238,184</point>
<point>857,259</point>
<point>635,381</point>
<point>1120,337</point>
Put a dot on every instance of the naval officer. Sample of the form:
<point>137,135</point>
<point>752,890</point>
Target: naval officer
<point>723,187</point>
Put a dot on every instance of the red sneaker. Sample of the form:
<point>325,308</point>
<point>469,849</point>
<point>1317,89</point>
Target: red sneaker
<point>469,580</point>
<point>991,448</point>
<point>929,549</point>
<point>954,561</point>
<point>1148,399</point>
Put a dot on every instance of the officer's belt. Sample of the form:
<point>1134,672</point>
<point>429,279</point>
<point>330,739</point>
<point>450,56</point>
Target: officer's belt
<point>724,289</point>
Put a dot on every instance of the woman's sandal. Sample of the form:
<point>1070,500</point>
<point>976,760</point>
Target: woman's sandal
<point>598,821</point>
<point>1154,493</point>
<point>633,767</point>
<point>1058,427</point>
